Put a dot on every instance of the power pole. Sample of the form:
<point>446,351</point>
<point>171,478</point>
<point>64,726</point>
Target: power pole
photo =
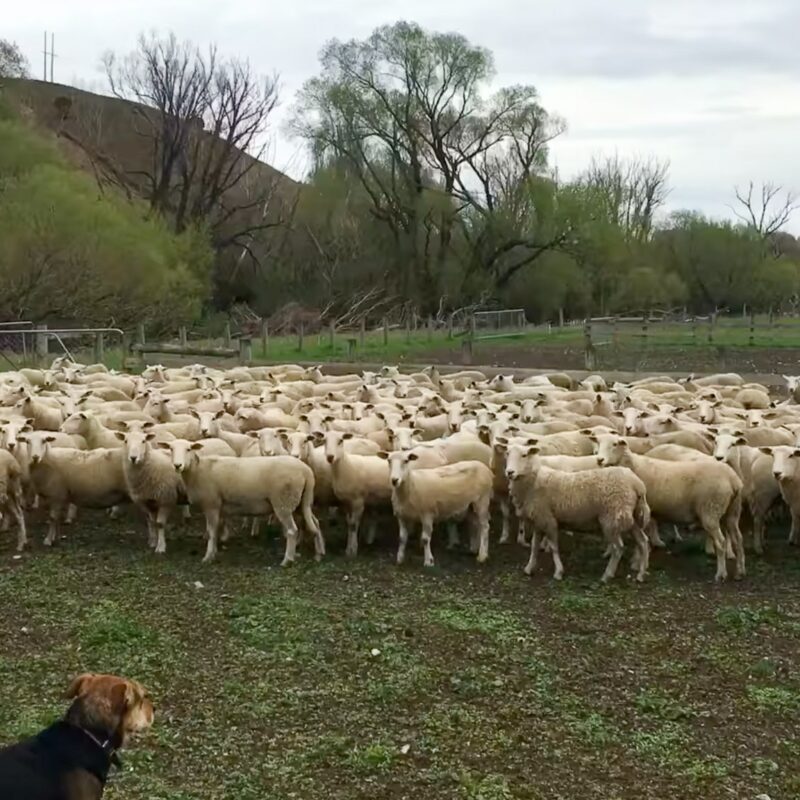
<point>45,56</point>
<point>52,54</point>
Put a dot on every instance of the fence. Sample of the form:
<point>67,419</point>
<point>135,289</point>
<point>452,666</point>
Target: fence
<point>25,343</point>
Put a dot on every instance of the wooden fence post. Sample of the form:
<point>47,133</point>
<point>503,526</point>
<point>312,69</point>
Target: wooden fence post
<point>264,338</point>
<point>450,327</point>
<point>140,333</point>
<point>752,328</point>
<point>408,331</point>
<point>694,330</point>
<point>385,331</point>
<point>40,344</point>
<point>182,335</point>
<point>560,318</point>
<point>645,328</point>
<point>227,334</point>
<point>126,348</point>
<point>589,355</point>
<point>332,336</point>
<point>362,333</point>
<point>711,317</point>
<point>614,332</point>
<point>300,336</point>
<point>245,350</point>
<point>430,329</point>
<point>466,350</point>
<point>99,348</point>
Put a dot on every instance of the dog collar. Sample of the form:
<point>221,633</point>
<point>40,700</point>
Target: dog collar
<point>105,745</point>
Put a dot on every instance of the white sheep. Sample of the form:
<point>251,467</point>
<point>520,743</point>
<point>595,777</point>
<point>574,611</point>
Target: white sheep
<point>614,503</point>
<point>685,492</point>
<point>441,493</point>
<point>11,495</point>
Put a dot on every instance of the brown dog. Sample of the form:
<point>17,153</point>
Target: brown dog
<point>71,759</point>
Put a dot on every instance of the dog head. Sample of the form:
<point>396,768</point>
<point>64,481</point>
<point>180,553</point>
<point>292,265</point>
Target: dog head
<point>110,704</point>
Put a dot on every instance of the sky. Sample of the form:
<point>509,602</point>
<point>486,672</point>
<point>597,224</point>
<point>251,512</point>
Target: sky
<point>713,86</point>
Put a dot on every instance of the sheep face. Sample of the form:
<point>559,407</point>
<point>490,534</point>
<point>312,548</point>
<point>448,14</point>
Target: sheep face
<point>137,445</point>
<point>631,420</point>
<point>724,444</point>
<point>9,433</point>
<point>785,462</point>
<point>707,411</point>
<point>610,450</point>
<point>334,445</point>
<point>299,444</point>
<point>184,453</point>
<point>208,421</point>
<point>400,465</point>
<point>38,445</point>
<point>403,438</point>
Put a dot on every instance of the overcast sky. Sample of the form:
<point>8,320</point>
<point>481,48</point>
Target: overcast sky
<point>711,85</point>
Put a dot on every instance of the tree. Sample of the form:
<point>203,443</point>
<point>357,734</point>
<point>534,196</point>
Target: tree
<point>13,63</point>
<point>204,122</point>
<point>444,167</point>
<point>766,212</point>
<point>630,193</point>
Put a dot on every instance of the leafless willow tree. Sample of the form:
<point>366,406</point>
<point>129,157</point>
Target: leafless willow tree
<point>767,210</point>
<point>204,121</point>
<point>629,192</point>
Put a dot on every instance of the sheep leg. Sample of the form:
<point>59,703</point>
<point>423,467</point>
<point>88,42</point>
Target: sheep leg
<point>371,530</point>
<point>613,562</point>
<point>558,572</point>
<point>52,528</point>
<point>186,512</point>
<point>113,513</point>
<point>354,515</point>
<point>734,537</point>
<point>531,565</point>
<point>794,533</point>
<point>453,539</point>
<point>22,533</point>
<point>72,513</point>
<point>654,536</point>
<point>481,525</point>
<point>161,529</point>
<point>290,532</point>
<point>505,510</point>
<point>255,526</point>
<point>212,531</point>
<point>403,540</point>
<point>676,534</point>
<point>426,535</point>
<point>152,535</point>
<point>641,555</point>
<point>522,537</point>
<point>6,524</point>
<point>715,534</point>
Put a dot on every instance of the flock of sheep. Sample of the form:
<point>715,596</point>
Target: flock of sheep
<point>294,444</point>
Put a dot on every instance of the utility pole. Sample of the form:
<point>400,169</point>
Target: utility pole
<point>44,77</point>
<point>52,54</point>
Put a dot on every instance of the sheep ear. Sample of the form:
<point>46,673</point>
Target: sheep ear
<point>195,446</point>
<point>532,451</point>
<point>593,438</point>
<point>311,437</point>
<point>83,415</point>
<point>329,418</point>
<point>741,440</point>
<point>617,414</point>
<point>766,450</point>
<point>346,435</point>
<point>120,435</point>
<point>531,441</point>
<point>29,421</point>
<point>501,440</point>
<point>149,425</point>
<point>26,427</point>
<point>149,437</point>
<point>412,457</point>
<point>304,417</point>
<point>252,434</point>
<point>219,415</point>
<point>382,454</point>
<point>586,431</point>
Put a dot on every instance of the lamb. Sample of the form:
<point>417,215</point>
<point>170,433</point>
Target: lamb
<point>64,476</point>
<point>358,482</point>
<point>153,484</point>
<point>615,503</point>
<point>252,487</point>
<point>684,492</point>
<point>428,495</point>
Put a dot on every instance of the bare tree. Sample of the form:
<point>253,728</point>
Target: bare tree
<point>768,211</point>
<point>204,121</point>
<point>630,192</point>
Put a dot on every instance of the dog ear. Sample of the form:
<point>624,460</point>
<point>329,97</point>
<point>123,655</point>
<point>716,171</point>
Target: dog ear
<point>123,696</point>
<point>78,684</point>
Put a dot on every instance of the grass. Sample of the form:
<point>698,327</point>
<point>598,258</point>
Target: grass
<point>356,679</point>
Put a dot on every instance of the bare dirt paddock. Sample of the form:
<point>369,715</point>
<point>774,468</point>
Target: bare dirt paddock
<point>356,679</point>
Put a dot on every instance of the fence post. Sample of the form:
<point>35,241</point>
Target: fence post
<point>744,311</point>
<point>466,350</point>
<point>408,331</point>
<point>589,356</point>
<point>99,348</point>
<point>126,348</point>
<point>694,330</point>
<point>560,318</point>
<point>645,328</point>
<point>450,327</point>
<point>362,333</point>
<point>140,333</point>
<point>40,344</point>
<point>182,335</point>
<point>228,334</point>
<point>385,332</point>
<point>771,319</point>
<point>711,318</point>
<point>245,350</point>
<point>300,336</point>
<point>614,332</point>
<point>752,328</point>
<point>430,329</point>
<point>264,338</point>
<point>332,336</point>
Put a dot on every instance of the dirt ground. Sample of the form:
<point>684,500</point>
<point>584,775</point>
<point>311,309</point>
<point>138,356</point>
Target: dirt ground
<point>355,679</point>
